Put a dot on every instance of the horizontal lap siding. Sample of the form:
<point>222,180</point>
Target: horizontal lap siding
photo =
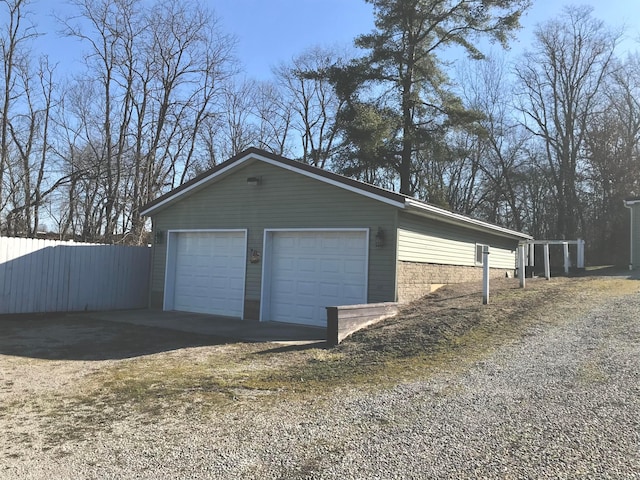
<point>427,241</point>
<point>284,199</point>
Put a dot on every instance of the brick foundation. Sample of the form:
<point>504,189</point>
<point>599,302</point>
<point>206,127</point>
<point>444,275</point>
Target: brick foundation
<point>418,279</point>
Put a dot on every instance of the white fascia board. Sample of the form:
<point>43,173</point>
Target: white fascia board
<point>462,220</point>
<point>630,203</point>
<point>250,156</point>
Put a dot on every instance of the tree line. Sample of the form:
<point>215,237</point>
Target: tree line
<point>545,143</point>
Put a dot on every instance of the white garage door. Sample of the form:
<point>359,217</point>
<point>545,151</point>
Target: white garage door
<point>209,272</point>
<point>308,271</point>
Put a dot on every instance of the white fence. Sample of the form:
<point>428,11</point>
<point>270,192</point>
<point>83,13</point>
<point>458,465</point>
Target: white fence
<point>53,276</point>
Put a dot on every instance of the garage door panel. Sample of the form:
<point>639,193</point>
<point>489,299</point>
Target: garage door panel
<point>309,271</point>
<point>329,243</point>
<point>351,291</point>
<point>209,272</point>
<point>330,290</point>
<point>306,265</point>
<point>284,264</point>
<point>306,288</point>
<point>284,242</point>
<point>354,267</point>
<point>330,265</point>
<point>306,242</point>
<point>303,311</point>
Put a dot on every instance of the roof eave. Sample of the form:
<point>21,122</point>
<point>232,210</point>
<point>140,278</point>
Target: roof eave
<point>369,191</point>
<point>441,214</point>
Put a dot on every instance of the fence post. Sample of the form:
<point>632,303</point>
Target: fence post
<point>485,275</point>
<point>580,259</point>
<point>521,252</point>
<point>567,261</point>
<point>547,266</point>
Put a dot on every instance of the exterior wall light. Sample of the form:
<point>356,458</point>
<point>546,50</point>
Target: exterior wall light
<point>380,238</point>
<point>253,181</point>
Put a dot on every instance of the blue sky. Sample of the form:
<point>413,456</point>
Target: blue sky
<point>273,31</point>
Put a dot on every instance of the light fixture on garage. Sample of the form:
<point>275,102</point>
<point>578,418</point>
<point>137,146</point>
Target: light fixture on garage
<point>253,181</point>
<point>380,238</point>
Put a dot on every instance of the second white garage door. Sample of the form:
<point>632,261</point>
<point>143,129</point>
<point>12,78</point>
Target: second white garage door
<point>306,271</point>
<point>208,272</point>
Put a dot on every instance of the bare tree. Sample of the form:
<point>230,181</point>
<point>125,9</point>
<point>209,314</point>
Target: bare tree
<point>495,148</point>
<point>612,150</point>
<point>313,101</point>
<point>157,72</point>
<point>17,32</point>
<point>274,116</point>
<point>561,82</point>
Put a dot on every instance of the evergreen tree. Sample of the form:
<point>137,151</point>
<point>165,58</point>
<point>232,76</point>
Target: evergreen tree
<point>404,74</point>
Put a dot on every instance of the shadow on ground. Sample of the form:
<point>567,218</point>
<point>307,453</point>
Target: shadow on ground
<point>75,337</point>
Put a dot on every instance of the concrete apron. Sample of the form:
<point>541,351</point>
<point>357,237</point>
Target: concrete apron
<point>244,330</point>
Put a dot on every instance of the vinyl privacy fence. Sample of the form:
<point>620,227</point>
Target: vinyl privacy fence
<point>53,276</point>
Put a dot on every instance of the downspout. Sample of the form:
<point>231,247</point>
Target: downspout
<point>629,205</point>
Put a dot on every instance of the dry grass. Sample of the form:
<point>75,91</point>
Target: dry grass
<point>447,330</point>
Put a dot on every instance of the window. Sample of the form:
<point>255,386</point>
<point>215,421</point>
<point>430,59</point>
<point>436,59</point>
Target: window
<point>479,256</point>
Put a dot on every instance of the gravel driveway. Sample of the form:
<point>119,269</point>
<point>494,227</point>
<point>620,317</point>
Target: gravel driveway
<point>561,402</point>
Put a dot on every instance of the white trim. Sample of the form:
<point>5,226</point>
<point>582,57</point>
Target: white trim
<point>631,266</point>
<point>462,220</point>
<point>319,230</point>
<point>290,168</point>
<point>170,270</point>
<point>552,242</point>
<point>265,288</point>
<point>628,204</point>
<point>206,230</point>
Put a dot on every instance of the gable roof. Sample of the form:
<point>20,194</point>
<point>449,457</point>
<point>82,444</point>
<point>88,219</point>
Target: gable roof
<point>404,202</point>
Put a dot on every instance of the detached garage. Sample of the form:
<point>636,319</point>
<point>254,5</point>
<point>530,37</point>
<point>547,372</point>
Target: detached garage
<point>262,237</point>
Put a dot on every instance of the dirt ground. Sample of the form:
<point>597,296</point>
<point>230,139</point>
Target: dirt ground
<point>64,377</point>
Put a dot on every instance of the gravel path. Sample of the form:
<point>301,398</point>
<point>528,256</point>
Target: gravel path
<point>563,402</point>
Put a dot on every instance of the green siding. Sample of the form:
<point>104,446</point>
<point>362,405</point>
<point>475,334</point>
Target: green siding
<point>425,240</point>
<point>635,235</point>
<point>284,199</point>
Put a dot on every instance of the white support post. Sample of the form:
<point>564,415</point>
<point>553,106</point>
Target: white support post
<point>580,259</point>
<point>547,264</point>
<point>532,254</point>
<point>631,236</point>
<point>521,252</point>
<point>485,275</point>
<point>567,261</point>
